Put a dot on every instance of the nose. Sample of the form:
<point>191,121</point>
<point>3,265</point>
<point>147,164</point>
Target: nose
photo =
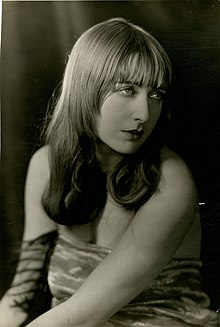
<point>142,110</point>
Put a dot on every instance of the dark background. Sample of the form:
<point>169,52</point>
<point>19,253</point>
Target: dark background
<point>36,39</point>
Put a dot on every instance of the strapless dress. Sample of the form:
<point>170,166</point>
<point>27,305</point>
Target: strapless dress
<point>173,299</point>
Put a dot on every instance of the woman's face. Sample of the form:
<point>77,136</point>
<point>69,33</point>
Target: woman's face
<point>128,116</point>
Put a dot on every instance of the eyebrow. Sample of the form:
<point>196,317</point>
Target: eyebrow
<point>159,89</point>
<point>163,90</point>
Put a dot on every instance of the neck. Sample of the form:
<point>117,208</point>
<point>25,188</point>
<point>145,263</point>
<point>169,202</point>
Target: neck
<point>107,158</point>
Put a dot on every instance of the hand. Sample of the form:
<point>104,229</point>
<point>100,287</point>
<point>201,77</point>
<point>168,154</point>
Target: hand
<point>10,316</point>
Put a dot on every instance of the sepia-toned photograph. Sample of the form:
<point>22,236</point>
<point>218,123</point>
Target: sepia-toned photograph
<point>110,164</point>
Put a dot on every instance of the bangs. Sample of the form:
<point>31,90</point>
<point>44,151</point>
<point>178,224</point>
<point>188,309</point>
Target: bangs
<point>143,68</point>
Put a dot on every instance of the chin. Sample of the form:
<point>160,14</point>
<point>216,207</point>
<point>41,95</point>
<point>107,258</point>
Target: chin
<point>118,149</point>
<point>126,151</point>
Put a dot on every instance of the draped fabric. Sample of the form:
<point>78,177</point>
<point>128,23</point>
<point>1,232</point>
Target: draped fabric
<point>174,298</point>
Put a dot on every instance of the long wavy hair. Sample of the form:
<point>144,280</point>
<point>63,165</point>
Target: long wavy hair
<point>109,52</point>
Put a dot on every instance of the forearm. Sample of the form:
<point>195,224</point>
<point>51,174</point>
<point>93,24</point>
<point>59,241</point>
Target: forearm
<point>27,296</point>
<point>60,317</point>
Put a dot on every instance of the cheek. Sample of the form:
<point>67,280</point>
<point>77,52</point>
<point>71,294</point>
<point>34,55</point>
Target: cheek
<point>111,111</point>
<point>106,122</point>
<point>107,117</point>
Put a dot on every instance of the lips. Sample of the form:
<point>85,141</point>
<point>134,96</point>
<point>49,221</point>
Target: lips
<point>136,133</point>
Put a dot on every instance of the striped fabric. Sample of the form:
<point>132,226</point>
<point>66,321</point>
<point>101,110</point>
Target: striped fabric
<point>29,290</point>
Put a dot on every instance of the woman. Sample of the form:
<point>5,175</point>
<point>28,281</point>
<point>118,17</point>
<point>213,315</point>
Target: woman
<point>114,204</point>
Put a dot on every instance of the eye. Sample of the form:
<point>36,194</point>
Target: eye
<point>156,95</point>
<point>127,91</point>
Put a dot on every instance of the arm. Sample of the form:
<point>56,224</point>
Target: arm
<point>36,220</point>
<point>148,244</point>
<point>27,296</point>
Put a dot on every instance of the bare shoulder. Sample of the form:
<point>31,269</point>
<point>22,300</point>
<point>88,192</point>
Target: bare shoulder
<point>176,174</point>
<point>173,163</point>
<point>36,220</point>
<point>40,162</point>
<point>178,182</point>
